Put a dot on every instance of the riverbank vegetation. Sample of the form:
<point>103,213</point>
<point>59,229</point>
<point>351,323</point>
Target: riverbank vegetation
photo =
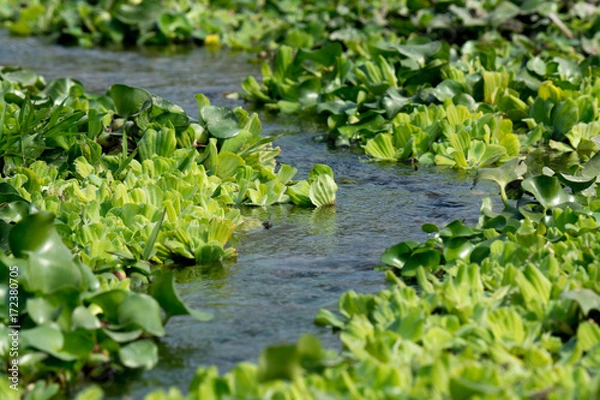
<point>114,189</point>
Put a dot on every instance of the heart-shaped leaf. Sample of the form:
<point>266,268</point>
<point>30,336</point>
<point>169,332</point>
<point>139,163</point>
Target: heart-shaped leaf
<point>220,121</point>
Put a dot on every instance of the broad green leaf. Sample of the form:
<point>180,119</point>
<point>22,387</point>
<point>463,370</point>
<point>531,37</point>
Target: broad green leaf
<point>141,311</point>
<point>48,339</point>
<point>587,299</point>
<point>83,318</point>
<point>93,392</point>
<point>397,255</point>
<point>220,121</point>
<point>326,55</point>
<point>140,354</point>
<point>163,290</point>
<point>129,101</point>
<point>547,190</point>
<point>576,183</point>
<point>50,265</point>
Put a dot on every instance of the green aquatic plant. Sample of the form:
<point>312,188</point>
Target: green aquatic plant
<point>97,192</point>
<point>70,320</point>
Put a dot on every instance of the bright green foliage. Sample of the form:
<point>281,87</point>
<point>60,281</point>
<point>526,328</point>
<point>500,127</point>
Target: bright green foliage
<point>508,308</point>
<point>505,309</point>
<point>109,186</point>
<point>70,318</point>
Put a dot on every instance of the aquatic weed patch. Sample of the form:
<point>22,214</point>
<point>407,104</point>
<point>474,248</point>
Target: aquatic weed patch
<point>97,192</point>
<point>508,308</point>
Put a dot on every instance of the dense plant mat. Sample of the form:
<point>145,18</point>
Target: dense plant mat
<point>96,192</point>
<point>474,102</point>
<point>509,308</point>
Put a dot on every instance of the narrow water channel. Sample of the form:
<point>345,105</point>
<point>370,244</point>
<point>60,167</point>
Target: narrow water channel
<point>307,259</point>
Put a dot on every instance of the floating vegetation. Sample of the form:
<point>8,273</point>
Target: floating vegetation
<point>100,190</point>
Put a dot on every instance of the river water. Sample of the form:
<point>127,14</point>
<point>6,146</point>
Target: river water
<point>307,259</point>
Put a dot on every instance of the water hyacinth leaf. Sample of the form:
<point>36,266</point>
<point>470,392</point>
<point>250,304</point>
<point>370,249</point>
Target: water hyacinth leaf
<point>79,343</point>
<point>42,391</point>
<point>83,318</point>
<point>15,211</point>
<point>392,102</point>
<point>322,191</point>
<point>592,167</point>
<point>537,65</point>
<point>141,311</point>
<point>576,183</point>
<point>59,89</point>
<point>163,290</point>
<point>221,122</point>
<point>448,89</point>
<point>418,52</point>
<point>50,265</point>
<point>429,259</point>
<point>93,392</point>
<point>587,299</point>
<point>129,101</point>
<point>237,142</point>
<point>8,194</point>
<point>109,302</point>
<point>430,228</point>
<point>325,56</point>
<point>512,170</point>
<point>139,354</point>
<point>309,91</point>
<point>397,255</point>
<point>175,26</point>
<point>458,248</point>
<point>547,190</point>
<point>123,336</point>
<point>48,339</point>
<point>41,311</point>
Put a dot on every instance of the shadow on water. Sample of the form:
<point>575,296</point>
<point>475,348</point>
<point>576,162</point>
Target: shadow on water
<point>307,258</point>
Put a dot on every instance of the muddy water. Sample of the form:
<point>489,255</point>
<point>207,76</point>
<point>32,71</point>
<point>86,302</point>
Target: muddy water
<point>307,259</point>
